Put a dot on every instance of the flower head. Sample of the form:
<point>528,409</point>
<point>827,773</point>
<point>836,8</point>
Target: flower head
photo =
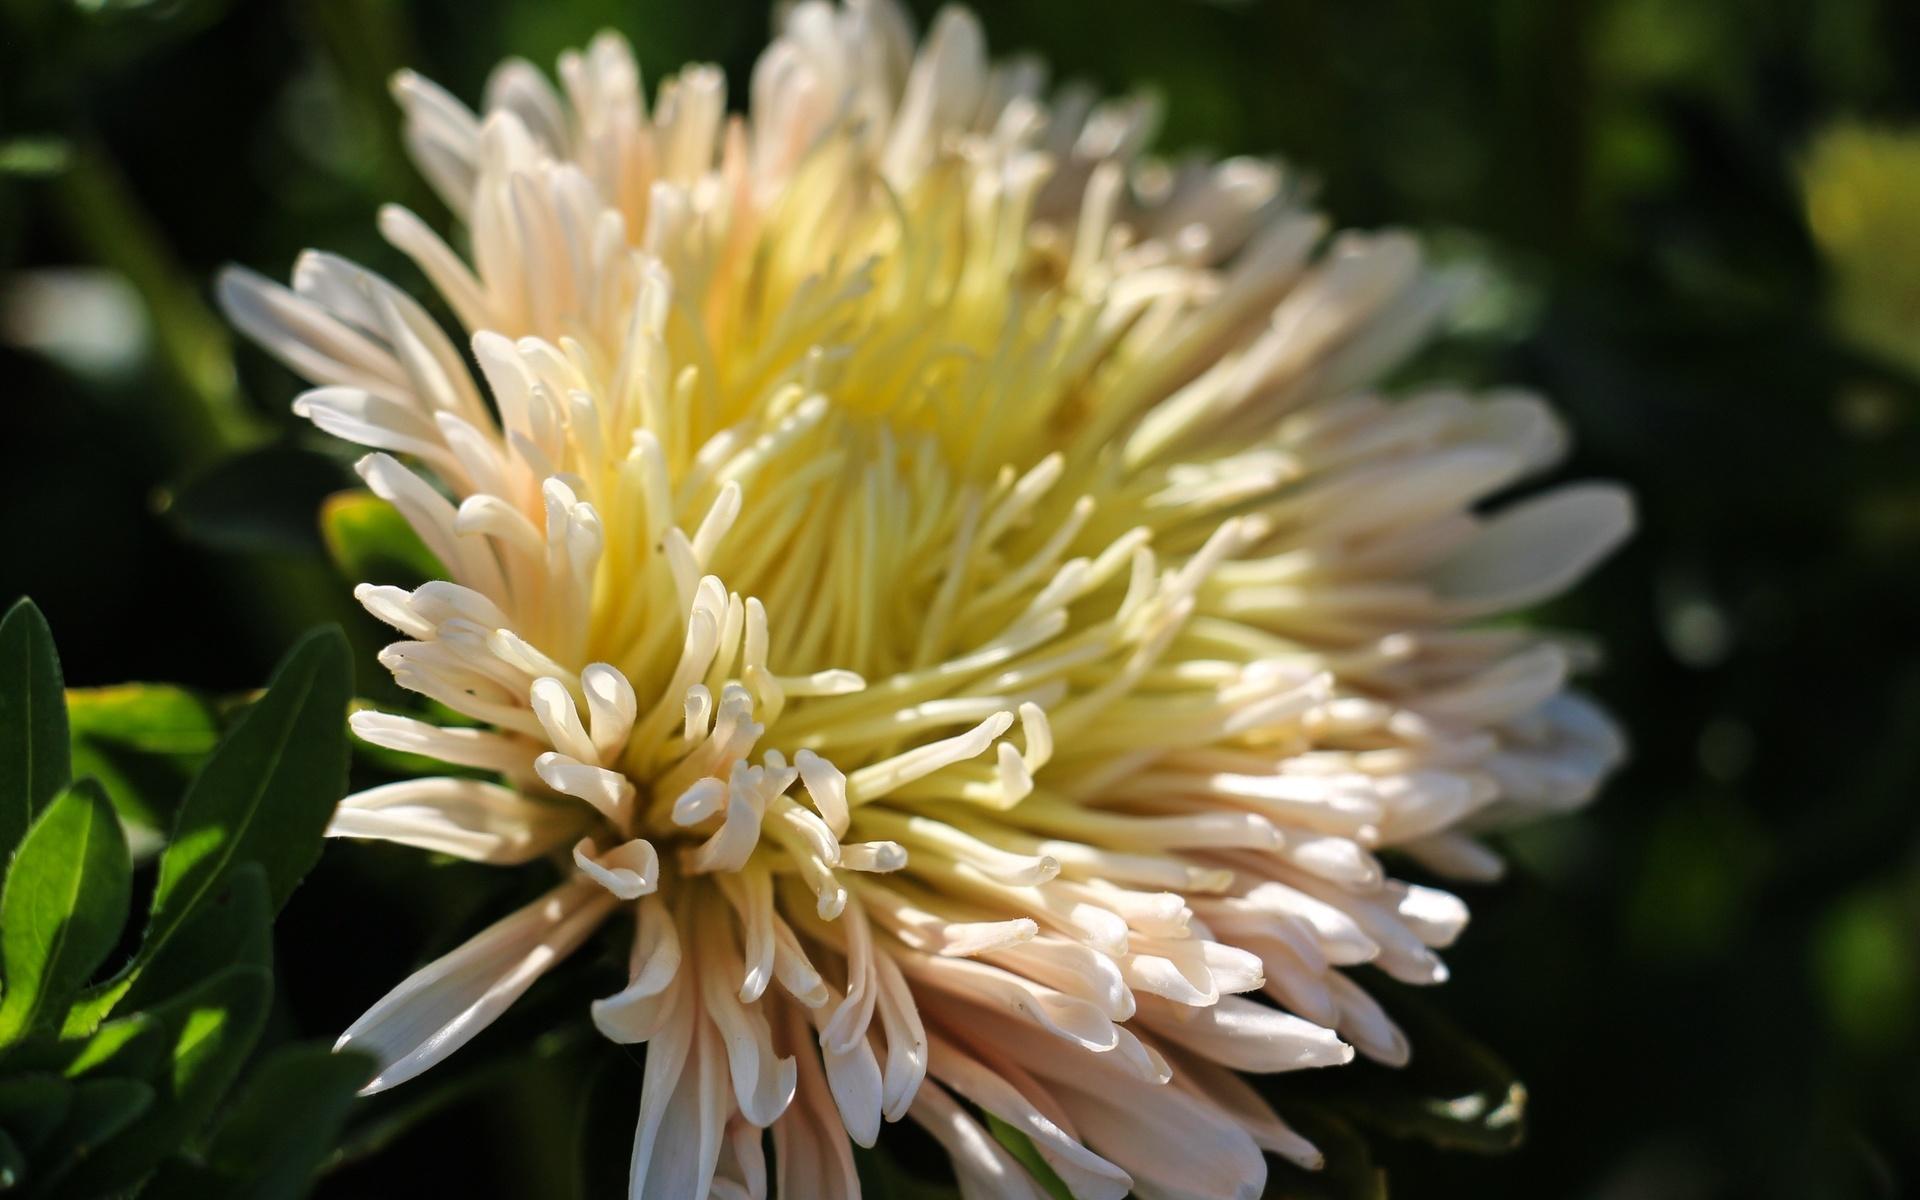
<point>941,575</point>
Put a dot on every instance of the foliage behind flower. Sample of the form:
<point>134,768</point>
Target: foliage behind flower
<point>1860,184</point>
<point>942,573</point>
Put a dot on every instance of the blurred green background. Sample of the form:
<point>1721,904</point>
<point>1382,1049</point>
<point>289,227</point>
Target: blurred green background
<point>1700,221</point>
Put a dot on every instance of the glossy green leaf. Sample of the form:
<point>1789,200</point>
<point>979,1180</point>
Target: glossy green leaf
<point>1022,1148</point>
<point>284,1122</point>
<point>266,794</point>
<point>123,1047</point>
<point>370,542</point>
<point>208,1034</point>
<point>33,722</point>
<point>63,907</point>
<point>129,1046</point>
<point>143,742</point>
<point>231,928</point>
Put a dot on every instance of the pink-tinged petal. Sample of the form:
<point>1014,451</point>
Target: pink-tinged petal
<point>683,1104</point>
<point>984,1168</point>
<point>811,1154</point>
<point>1086,1174</point>
<point>1174,1149</point>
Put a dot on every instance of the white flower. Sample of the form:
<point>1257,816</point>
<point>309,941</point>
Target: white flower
<point>941,574</point>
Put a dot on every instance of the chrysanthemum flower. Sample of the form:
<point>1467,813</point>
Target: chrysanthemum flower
<point>940,575</point>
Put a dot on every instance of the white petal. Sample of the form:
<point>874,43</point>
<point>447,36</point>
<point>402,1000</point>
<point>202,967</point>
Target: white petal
<point>445,1003</point>
<point>683,1105</point>
<point>608,791</point>
<point>480,748</point>
<point>810,1147</point>
<point>1234,1097</point>
<point>629,870</point>
<point>611,708</point>
<point>1171,1146</point>
<point>828,788</point>
<point>906,1064</point>
<point>1246,1035</point>
<point>853,1076</point>
<point>467,818</point>
<point>636,1012</point>
<point>1085,1173</point>
<point>986,1171</point>
<point>1536,548</point>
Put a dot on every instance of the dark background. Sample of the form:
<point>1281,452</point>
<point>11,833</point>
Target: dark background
<point>1701,225</point>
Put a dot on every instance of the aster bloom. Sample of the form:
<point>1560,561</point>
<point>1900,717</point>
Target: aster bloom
<point>940,575</point>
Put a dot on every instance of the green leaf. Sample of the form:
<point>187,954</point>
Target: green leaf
<point>547,1039</point>
<point>266,794</point>
<point>143,742</point>
<point>130,1046</point>
<point>883,1178</point>
<point>370,542</point>
<point>1022,1148</point>
<point>1348,1173</point>
<point>180,1179</point>
<point>32,1106</point>
<point>13,1164</point>
<point>284,1122</point>
<point>233,928</point>
<point>101,1108</point>
<point>261,501</point>
<point>1463,1096</point>
<point>609,1093</point>
<point>208,1034</point>
<point>63,907</point>
<point>33,722</point>
<point>1454,1093</point>
<point>33,157</point>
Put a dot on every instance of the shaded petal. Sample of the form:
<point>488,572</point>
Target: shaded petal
<point>1535,549</point>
